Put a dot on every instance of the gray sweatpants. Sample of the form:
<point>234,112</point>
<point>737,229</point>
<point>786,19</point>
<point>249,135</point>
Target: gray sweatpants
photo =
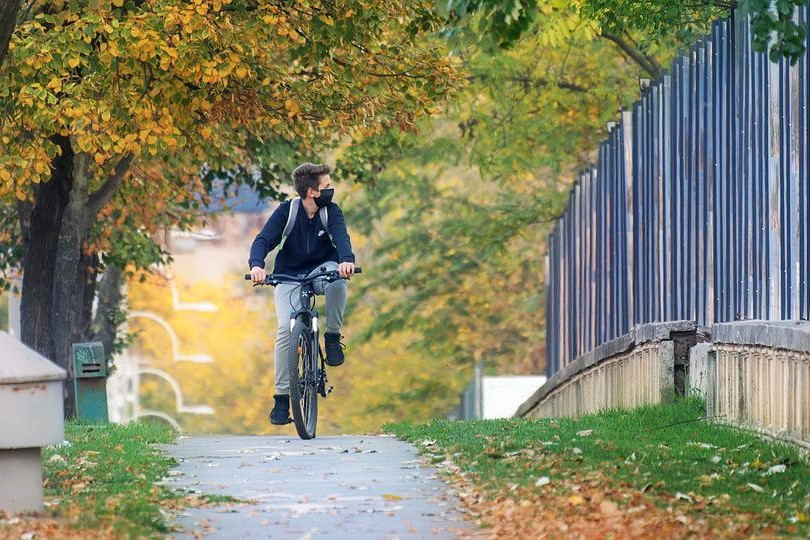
<point>288,300</point>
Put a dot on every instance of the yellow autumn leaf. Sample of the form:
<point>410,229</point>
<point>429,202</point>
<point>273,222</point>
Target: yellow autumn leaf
<point>99,159</point>
<point>20,194</point>
<point>292,106</point>
<point>55,84</point>
<point>118,3</point>
<point>73,62</point>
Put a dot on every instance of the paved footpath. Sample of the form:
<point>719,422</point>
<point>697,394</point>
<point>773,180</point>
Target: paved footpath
<point>344,487</point>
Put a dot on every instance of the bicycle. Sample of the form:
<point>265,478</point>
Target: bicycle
<point>307,380</point>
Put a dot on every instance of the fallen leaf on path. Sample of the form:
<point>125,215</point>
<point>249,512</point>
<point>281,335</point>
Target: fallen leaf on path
<point>608,507</point>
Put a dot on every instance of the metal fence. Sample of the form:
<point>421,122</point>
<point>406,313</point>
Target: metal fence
<point>698,207</point>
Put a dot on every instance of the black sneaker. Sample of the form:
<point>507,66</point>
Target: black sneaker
<point>280,415</point>
<point>334,349</point>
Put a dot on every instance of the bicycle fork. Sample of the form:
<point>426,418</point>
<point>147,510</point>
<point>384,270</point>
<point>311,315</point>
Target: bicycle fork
<point>323,390</point>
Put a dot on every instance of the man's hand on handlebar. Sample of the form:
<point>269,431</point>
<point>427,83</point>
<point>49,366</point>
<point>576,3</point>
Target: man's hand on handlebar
<point>257,274</point>
<point>346,270</point>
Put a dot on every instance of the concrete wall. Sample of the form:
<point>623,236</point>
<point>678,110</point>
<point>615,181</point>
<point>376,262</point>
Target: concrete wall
<point>754,374</point>
<point>636,369</point>
<point>759,377</point>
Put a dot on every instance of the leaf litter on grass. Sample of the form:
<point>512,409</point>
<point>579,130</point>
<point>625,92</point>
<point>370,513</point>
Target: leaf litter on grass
<point>613,475</point>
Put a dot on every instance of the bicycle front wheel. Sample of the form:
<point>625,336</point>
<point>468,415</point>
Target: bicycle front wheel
<point>303,364</point>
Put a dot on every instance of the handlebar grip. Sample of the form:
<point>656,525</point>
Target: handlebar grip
<point>247,277</point>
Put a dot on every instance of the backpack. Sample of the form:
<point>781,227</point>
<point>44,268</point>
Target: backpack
<point>295,204</point>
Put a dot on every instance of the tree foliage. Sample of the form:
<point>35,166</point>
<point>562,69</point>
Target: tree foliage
<point>458,276</point>
<point>455,223</point>
<point>632,24</point>
<point>238,384</point>
<point>163,77</point>
<point>775,30</point>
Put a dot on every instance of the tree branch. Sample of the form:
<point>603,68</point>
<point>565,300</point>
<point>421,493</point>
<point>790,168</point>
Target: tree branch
<point>528,81</point>
<point>634,53</point>
<point>24,210</point>
<point>651,59</point>
<point>8,20</point>
<point>102,195</point>
<point>405,73</point>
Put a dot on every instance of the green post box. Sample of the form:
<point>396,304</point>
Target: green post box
<point>90,381</point>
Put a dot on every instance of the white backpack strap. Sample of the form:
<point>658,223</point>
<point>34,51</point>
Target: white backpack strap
<point>294,205</point>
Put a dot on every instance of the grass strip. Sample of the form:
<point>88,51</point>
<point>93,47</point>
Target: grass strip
<point>691,468</point>
<point>101,483</point>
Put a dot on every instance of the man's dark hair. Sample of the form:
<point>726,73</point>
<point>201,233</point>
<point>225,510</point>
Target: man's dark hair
<point>307,175</point>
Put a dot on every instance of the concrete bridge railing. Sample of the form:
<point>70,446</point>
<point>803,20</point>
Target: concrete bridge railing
<point>756,375</point>
<point>646,366</point>
<point>753,374</point>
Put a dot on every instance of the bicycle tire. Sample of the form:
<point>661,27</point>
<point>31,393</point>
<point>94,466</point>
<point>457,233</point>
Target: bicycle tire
<point>303,369</point>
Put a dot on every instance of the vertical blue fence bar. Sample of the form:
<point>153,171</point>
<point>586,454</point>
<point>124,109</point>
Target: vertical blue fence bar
<point>698,207</point>
<point>804,172</point>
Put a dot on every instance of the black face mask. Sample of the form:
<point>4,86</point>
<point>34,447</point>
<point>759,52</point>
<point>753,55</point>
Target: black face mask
<point>325,198</point>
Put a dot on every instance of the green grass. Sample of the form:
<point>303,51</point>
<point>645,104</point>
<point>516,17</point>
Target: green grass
<point>105,478</point>
<point>666,451</point>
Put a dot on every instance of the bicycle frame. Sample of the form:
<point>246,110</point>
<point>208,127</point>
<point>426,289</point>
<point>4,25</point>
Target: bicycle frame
<point>310,318</point>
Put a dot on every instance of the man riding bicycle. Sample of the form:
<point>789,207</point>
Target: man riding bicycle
<point>312,240</point>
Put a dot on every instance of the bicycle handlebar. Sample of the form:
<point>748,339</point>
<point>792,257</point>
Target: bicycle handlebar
<point>275,279</point>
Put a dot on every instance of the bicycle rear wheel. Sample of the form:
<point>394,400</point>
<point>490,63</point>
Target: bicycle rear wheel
<point>303,364</point>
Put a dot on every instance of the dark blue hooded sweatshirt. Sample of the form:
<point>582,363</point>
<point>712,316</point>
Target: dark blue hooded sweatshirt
<point>308,244</point>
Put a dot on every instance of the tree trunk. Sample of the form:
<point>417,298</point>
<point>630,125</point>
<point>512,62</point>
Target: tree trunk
<point>8,20</point>
<point>69,273</point>
<point>110,299</point>
<point>40,233</point>
<point>59,279</point>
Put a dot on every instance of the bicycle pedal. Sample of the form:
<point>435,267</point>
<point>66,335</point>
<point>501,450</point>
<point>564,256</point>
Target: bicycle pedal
<point>329,390</point>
